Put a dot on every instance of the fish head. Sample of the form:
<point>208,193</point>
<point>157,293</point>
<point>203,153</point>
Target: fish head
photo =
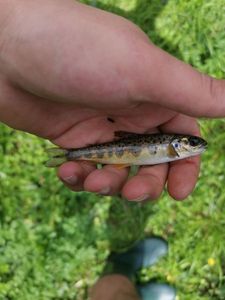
<point>186,146</point>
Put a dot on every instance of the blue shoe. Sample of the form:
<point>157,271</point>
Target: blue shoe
<point>157,291</point>
<point>145,253</point>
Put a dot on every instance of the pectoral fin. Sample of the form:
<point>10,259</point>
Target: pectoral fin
<point>172,152</point>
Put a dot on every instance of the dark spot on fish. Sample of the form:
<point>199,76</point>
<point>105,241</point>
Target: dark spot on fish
<point>100,154</point>
<point>155,150</point>
<point>135,150</point>
<point>119,152</point>
<point>152,150</point>
<point>110,152</point>
<point>87,154</point>
<point>111,120</point>
<point>73,154</point>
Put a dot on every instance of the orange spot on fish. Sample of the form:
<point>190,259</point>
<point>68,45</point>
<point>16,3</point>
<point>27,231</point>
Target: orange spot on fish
<point>121,166</point>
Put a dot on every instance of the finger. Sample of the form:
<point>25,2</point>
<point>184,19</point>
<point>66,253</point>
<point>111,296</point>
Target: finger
<point>106,181</point>
<point>177,85</point>
<point>73,174</point>
<point>183,174</point>
<point>182,177</point>
<point>147,184</point>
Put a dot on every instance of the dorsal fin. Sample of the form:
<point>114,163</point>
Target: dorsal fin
<point>126,134</point>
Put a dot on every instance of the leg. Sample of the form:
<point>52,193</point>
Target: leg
<point>114,287</point>
<point>118,287</point>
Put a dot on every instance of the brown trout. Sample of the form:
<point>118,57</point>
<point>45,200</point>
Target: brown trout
<point>133,149</point>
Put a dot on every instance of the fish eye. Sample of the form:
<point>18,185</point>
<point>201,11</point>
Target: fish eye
<point>193,142</point>
<point>176,145</point>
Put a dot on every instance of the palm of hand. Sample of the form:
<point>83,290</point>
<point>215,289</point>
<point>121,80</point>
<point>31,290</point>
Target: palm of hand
<point>75,126</point>
<point>69,125</point>
<point>78,127</point>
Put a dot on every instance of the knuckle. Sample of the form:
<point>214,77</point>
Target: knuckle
<point>215,88</point>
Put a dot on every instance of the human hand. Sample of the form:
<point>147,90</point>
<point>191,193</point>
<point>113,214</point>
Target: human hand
<point>68,70</point>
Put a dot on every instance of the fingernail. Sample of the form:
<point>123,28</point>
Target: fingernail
<point>141,198</point>
<point>72,180</point>
<point>104,191</point>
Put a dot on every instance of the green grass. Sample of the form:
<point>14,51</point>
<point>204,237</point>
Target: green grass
<point>195,229</point>
<point>54,243</point>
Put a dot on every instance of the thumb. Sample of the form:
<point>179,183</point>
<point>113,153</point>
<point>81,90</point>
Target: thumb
<point>162,79</point>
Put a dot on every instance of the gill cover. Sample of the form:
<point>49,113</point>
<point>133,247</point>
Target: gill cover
<point>174,147</point>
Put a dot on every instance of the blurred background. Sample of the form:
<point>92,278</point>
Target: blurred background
<point>54,243</point>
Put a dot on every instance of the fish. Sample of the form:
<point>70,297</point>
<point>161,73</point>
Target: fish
<point>132,149</point>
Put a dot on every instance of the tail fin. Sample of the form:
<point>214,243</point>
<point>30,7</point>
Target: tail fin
<point>57,156</point>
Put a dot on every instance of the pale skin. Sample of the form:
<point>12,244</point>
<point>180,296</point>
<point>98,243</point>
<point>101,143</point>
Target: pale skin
<point>66,67</point>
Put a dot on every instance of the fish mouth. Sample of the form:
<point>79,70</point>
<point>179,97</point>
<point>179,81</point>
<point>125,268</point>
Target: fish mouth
<point>198,142</point>
<point>202,146</point>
